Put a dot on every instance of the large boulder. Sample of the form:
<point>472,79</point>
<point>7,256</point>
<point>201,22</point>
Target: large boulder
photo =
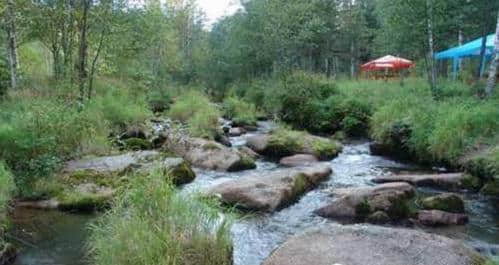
<point>298,160</point>
<point>451,181</point>
<point>438,218</point>
<point>271,191</point>
<point>448,202</point>
<point>284,143</point>
<point>374,245</point>
<point>360,203</point>
<point>209,154</point>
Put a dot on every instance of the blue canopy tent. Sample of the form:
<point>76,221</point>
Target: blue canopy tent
<point>469,49</point>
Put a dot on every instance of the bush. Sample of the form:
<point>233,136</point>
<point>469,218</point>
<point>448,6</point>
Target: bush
<point>6,190</point>
<point>153,224</point>
<point>196,110</point>
<point>241,112</point>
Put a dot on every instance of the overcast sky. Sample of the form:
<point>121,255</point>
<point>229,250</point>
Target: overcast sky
<point>215,9</point>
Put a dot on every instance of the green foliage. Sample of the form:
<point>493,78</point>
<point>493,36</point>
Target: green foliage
<point>196,110</point>
<point>153,224</point>
<point>241,112</point>
<point>6,190</point>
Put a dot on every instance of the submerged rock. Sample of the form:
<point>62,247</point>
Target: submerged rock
<point>374,245</point>
<point>298,160</point>
<point>270,191</point>
<point>452,181</point>
<point>209,154</point>
<point>447,202</point>
<point>360,203</point>
<point>437,218</point>
<point>282,144</point>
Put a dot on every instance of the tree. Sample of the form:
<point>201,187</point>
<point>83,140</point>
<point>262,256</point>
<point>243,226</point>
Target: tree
<point>494,63</point>
<point>10,27</point>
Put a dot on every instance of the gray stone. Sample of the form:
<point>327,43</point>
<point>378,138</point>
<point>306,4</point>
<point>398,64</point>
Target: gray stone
<point>439,218</point>
<point>298,160</point>
<point>371,245</point>
<point>452,181</point>
<point>237,131</point>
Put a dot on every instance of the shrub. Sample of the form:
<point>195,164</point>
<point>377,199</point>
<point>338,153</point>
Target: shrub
<point>6,190</point>
<point>241,112</point>
<point>152,223</point>
<point>196,110</point>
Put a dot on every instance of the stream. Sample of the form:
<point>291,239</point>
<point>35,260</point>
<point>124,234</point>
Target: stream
<point>54,238</point>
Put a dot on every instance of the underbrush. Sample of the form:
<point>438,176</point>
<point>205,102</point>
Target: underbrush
<point>195,109</point>
<point>6,191</point>
<point>239,111</point>
<point>152,223</point>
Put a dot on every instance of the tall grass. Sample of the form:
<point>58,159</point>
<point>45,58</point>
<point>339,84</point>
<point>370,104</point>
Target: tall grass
<point>6,190</point>
<point>195,109</point>
<point>240,111</point>
<point>153,224</point>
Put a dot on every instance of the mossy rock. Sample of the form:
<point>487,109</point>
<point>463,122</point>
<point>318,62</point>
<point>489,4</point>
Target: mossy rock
<point>363,209</point>
<point>326,149</point>
<point>447,202</point>
<point>179,170</point>
<point>399,209</point>
<point>491,188</point>
<point>378,217</point>
<point>137,144</point>
<point>245,163</point>
<point>471,182</point>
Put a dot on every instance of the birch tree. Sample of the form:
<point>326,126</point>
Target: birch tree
<point>10,28</point>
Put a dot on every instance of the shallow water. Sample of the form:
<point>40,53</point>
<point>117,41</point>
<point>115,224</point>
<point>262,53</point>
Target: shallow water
<point>58,238</point>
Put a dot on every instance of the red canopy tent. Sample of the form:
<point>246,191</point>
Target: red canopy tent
<point>387,62</point>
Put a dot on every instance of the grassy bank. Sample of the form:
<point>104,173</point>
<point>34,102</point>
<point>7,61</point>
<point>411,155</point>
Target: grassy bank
<point>6,191</point>
<point>455,128</point>
<point>153,224</point>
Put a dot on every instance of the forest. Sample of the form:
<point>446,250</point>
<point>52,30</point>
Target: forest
<point>139,132</point>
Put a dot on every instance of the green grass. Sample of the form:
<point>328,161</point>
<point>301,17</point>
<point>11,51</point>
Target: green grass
<point>240,112</point>
<point>195,109</point>
<point>6,190</point>
<point>153,224</point>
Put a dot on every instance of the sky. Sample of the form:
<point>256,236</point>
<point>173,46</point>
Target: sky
<point>215,9</point>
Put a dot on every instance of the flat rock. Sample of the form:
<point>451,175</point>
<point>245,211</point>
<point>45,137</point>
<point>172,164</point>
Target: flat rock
<point>270,191</point>
<point>451,181</point>
<point>439,218</point>
<point>110,164</point>
<point>371,245</point>
<point>298,160</point>
<point>209,154</point>
<point>359,203</point>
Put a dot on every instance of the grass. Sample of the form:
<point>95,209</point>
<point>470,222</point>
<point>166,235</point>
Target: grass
<point>195,109</point>
<point>240,112</point>
<point>6,190</point>
<point>153,224</point>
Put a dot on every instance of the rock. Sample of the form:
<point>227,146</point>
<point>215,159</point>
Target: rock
<point>437,218</point>
<point>270,191</point>
<point>220,138</point>
<point>237,131</point>
<point>448,202</point>
<point>491,188</point>
<point>281,144</point>
<point>209,154</point>
<point>250,128</point>
<point>158,141</point>
<point>8,253</point>
<point>452,181</point>
<point>359,203</point>
<point>248,152</point>
<point>226,129</point>
<point>137,144</point>
<point>110,164</point>
<point>51,204</point>
<point>176,168</point>
<point>331,244</point>
<point>134,132</point>
<point>298,160</point>
<point>378,217</point>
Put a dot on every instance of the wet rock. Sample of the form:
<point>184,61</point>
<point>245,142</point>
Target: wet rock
<point>452,181</point>
<point>134,132</point>
<point>158,141</point>
<point>248,152</point>
<point>237,131</point>
<point>491,188</point>
<point>8,253</point>
<point>176,168</point>
<point>448,202</point>
<point>438,218</point>
<point>298,160</point>
<point>220,138</point>
<point>374,245</point>
<point>378,217</point>
<point>359,203</point>
<point>250,128</point>
<point>110,164</point>
<point>210,154</point>
<point>226,129</point>
<point>282,144</point>
<point>270,191</point>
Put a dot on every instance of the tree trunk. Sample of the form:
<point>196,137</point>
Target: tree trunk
<point>94,63</point>
<point>460,41</point>
<point>83,49</point>
<point>431,59</point>
<point>12,43</point>
<point>494,63</point>
<point>352,60</point>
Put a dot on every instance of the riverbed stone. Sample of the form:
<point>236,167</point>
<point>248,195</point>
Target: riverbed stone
<point>359,203</point>
<point>448,202</point>
<point>450,181</point>
<point>439,218</point>
<point>298,160</point>
<point>236,131</point>
<point>209,154</point>
<point>268,192</point>
<point>284,143</point>
<point>331,244</point>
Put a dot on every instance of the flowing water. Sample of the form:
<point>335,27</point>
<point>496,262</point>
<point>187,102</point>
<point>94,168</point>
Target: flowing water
<point>58,238</point>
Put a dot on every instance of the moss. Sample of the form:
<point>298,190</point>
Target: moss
<point>91,176</point>
<point>182,174</point>
<point>491,188</point>
<point>83,202</point>
<point>450,203</point>
<point>300,185</point>
<point>137,144</point>
<point>244,163</point>
<point>399,209</point>
<point>471,182</point>
<point>363,209</point>
<point>326,149</point>
<point>211,146</point>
